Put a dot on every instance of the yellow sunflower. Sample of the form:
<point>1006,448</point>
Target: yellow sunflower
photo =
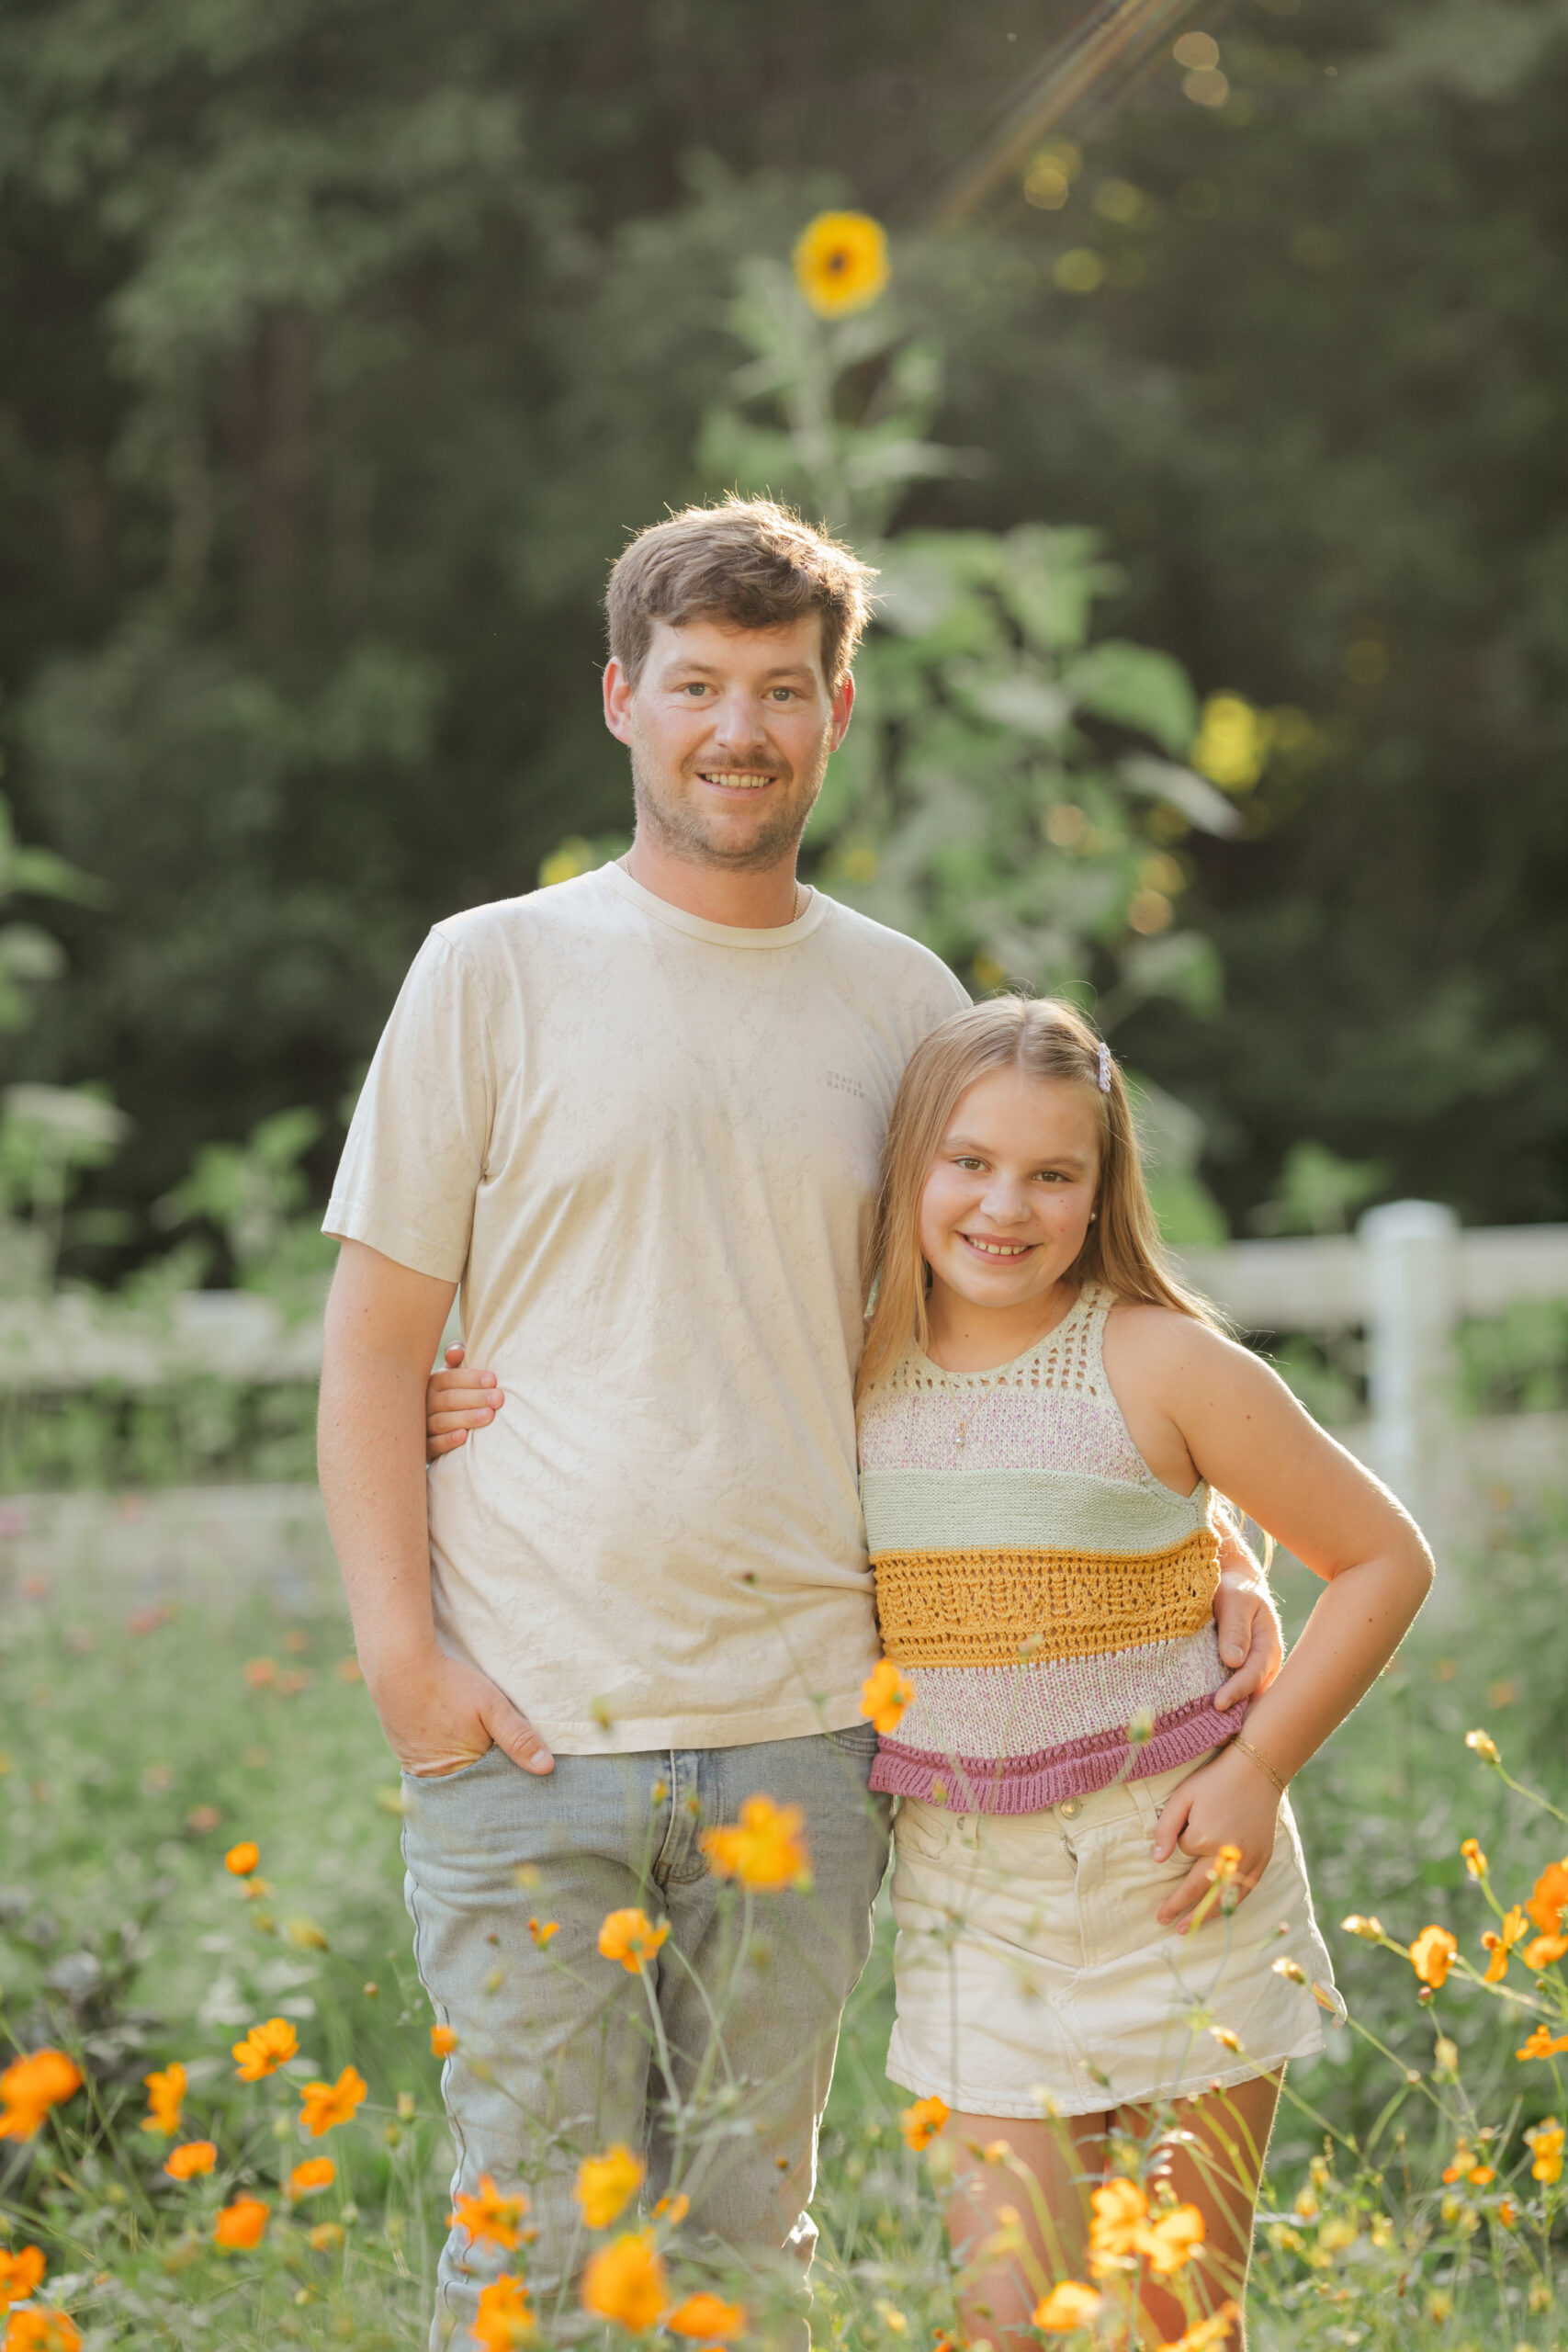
<point>840,262</point>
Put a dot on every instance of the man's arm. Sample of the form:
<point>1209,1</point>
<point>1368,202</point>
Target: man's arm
<point>383,1326</point>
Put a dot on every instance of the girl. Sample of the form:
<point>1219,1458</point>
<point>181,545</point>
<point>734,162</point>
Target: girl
<point>1047,1422</point>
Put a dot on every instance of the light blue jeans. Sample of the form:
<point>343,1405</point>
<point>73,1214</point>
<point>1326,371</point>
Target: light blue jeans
<point>714,2066</point>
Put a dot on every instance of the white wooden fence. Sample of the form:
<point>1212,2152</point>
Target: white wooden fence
<point>1406,1278</point>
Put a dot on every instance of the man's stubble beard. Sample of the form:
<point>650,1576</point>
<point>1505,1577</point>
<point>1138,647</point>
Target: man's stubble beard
<point>680,831</point>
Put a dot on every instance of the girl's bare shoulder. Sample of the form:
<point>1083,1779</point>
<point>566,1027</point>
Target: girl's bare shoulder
<point>1161,1343</point>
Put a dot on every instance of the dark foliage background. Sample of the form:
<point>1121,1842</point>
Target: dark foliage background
<point>343,345</point>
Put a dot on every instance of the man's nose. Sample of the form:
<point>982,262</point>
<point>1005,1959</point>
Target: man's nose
<point>737,724</point>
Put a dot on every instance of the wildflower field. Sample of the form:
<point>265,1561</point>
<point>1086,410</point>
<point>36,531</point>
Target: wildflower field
<point>221,2120</point>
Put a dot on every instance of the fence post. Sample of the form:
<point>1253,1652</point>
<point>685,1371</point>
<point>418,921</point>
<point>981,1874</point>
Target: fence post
<point>1413,1304</point>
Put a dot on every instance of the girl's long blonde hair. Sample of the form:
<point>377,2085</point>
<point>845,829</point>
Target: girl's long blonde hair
<point>1044,1038</point>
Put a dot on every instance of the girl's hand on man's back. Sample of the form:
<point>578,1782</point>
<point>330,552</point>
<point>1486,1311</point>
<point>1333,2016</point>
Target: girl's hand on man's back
<point>457,1401</point>
<point>1225,1803</point>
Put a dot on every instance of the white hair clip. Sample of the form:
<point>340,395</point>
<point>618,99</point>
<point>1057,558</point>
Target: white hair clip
<point>1104,1070</point>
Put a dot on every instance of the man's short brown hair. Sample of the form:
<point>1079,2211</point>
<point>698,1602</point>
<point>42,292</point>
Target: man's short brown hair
<point>749,561</point>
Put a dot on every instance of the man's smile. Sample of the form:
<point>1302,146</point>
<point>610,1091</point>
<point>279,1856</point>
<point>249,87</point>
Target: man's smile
<point>737,779</point>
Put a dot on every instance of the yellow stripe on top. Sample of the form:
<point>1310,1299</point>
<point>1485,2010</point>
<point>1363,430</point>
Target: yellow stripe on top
<point>992,1608</point>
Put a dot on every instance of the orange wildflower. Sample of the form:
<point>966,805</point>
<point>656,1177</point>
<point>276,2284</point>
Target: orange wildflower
<point>1121,2230</point>
<point>1546,1905</point>
<point>489,2214</point>
<point>1541,2044</point>
<point>625,2281</point>
<point>1173,2240</point>
<point>241,2225</point>
<point>885,1694</point>
<point>1546,2146</point>
<point>29,2086</point>
<point>316,2172</point>
<point>37,2330</point>
<point>631,1937</point>
<point>607,2183</point>
<point>1068,2305</point>
<point>1474,1859</point>
<point>920,2123</point>
<point>260,1673</point>
<point>1368,1929</point>
<point>192,2157</point>
<point>443,2041</point>
<point>326,2104</point>
<point>20,2274</point>
<point>673,2210</point>
<point>542,1929</point>
<point>265,2049</point>
<point>763,1850</point>
<point>1541,1950</point>
<point>242,1859</point>
<point>504,2319</point>
<point>704,2315</point>
<point>165,2092</point>
<point>1205,2334</point>
<point>1431,1956</point>
<point>1500,1947</point>
<point>326,2236</point>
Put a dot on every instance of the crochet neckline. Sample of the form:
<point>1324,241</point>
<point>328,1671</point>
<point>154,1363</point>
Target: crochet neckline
<point>1093,1298</point>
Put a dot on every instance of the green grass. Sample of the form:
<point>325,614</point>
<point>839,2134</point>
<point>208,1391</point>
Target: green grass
<point>137,1753</point>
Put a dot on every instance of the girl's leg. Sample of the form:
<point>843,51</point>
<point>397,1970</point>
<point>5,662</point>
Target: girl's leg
<point>1033,2198</point>
<point>1216,2166</point>
<point>1029,2204</point>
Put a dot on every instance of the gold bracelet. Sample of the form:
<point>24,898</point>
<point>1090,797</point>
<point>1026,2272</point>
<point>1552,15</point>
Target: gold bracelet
<point>1261,1761</point>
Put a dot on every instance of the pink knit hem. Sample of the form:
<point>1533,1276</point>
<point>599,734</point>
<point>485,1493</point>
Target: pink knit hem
<point>1031,1784</point>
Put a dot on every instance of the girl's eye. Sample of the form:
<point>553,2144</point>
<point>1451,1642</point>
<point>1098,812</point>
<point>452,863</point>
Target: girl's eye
<point>967,1160</point>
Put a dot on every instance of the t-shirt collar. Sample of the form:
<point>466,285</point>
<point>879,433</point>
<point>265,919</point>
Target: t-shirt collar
<point>720,934</point>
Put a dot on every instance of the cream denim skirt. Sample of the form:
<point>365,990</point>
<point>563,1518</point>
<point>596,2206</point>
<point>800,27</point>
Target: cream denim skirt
<point>1032,1976</point>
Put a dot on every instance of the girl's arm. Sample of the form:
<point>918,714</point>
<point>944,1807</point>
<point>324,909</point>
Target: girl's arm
<point>1249,1437</point>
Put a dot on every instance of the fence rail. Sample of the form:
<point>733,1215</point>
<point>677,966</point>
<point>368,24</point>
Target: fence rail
<point>1406,1278</point>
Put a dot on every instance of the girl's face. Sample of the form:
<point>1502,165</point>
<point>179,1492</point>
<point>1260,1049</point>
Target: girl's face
<point>1006,1209</point>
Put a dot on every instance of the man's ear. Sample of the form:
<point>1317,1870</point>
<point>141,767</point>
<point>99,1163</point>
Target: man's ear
<point>618,690</point>
<point>843,705</point>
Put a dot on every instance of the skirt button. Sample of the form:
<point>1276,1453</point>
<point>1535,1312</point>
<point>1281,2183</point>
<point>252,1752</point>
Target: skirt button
<point>1072,1809</point>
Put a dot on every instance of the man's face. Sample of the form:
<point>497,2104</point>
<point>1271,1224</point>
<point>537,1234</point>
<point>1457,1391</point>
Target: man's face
<point>730,732</point>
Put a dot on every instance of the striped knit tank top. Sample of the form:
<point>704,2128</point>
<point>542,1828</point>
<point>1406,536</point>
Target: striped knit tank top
<point>1049,1598</point>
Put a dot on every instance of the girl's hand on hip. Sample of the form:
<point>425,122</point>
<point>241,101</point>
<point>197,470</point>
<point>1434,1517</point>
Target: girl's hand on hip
<point>1224,1803</point>
<point>457,1401</point>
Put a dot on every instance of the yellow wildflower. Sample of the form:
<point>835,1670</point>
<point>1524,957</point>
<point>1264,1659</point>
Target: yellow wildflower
<point>1483,1744</point>
<point>1500,1947</point>
<point>920,2123</point>
<point>489,2215</point>
<point>1370,1930</point>
<point>704,2315</point>
<point>1069,2305</point>
<point>241,2225</point>
<point>607,2183</point>
<point>631,1937</point>
<point>265,2049</point>
<point>840,262</point>
<point>885,1694</point>
<point>326,2104</point>
<point>1541,2044</point>
<point>166,2091</point>
<point>29,2086</point>
<point>542,1929</point>
<point>21,2275</point>
<point>1431,1956</point>
<point>763,1850</point>
<point>504,2319</point>
<point>625,2281</point>
<point>1546,2146</point>
<point>1206,2334</point>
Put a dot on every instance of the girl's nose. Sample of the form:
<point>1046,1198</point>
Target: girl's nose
<point>1005,1204</point>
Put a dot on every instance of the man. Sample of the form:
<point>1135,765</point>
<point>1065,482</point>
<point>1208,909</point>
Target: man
<point>638,1116</point>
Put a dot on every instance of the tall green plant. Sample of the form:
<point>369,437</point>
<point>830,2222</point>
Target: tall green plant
<point>1012,791</point>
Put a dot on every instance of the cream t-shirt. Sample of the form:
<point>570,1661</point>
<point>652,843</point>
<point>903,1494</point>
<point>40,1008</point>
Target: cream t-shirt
<point>648,1145</point>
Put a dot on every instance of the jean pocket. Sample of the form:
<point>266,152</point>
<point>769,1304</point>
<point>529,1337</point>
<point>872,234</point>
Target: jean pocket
<point>445,1779</point>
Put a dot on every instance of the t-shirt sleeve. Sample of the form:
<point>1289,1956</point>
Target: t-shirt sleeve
<point>417,1146</point>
